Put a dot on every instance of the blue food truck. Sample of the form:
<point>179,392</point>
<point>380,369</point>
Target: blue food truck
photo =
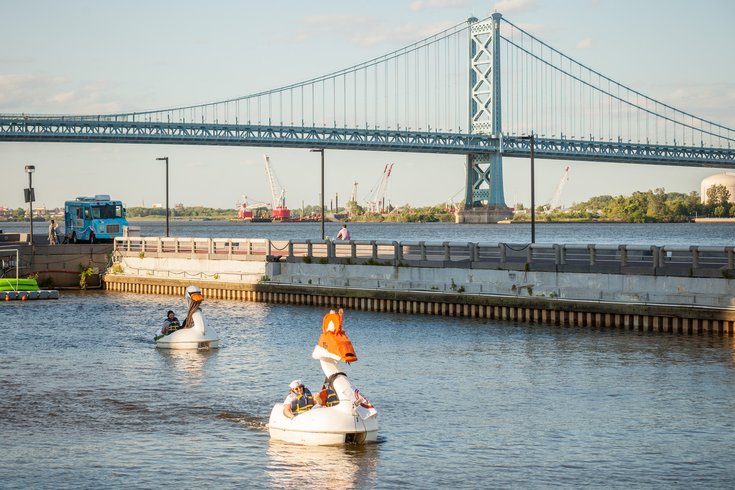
<point>93,219</point>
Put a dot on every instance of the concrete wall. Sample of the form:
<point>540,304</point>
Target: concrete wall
<point>59,266</point>
<point>208,268</point>
<point>634,289</point>
<point>711,292</point>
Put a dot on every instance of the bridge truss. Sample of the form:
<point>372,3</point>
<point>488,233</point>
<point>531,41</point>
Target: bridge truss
<point>69,129</point>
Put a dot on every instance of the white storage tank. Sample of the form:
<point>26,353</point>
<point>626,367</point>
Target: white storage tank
<point>726,179</point>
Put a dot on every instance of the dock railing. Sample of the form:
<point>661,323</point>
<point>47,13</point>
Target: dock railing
<point>687,261</point>
<point>183,247</point>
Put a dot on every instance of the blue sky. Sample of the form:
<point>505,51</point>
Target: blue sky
<point>99,57</point>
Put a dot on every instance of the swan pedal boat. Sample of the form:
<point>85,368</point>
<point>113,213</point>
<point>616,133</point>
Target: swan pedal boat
<point>197,334</point>
<point>352,420</point>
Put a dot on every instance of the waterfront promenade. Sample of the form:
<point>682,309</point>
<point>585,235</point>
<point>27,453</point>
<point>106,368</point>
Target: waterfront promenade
<point>656,288</point>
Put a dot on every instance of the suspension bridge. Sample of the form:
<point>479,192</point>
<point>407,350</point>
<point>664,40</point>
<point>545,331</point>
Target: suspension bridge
<point>479,88</point>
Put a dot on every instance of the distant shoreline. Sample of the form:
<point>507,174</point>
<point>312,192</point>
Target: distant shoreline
<point>592,222</point>
<point>714,220</point>
<point>504,222</point>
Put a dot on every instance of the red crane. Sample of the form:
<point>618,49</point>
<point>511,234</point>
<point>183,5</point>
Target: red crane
<point>280,211</point>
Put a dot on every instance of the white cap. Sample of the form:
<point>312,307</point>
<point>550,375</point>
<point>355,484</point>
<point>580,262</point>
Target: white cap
<point>295,384</point>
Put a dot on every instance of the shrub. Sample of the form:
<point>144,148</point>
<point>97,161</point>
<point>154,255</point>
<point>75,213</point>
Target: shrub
<point>84,273</point>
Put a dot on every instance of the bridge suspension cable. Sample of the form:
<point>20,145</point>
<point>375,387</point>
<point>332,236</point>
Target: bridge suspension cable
<point>418,98</point>
<point>421,86</point>
<point>552,95</point>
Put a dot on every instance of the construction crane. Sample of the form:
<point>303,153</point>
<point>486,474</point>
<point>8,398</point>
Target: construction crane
<point>278,193</point>
<point>554,203</point>
<point>376,200</point>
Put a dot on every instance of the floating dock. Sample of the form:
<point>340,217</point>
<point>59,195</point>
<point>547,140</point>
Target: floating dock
<point>28,295</point>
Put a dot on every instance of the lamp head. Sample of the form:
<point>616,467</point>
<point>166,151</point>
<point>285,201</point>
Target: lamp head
<point>30,169</point>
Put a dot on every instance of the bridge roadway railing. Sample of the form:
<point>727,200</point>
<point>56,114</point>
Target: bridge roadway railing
<point>682,261</point>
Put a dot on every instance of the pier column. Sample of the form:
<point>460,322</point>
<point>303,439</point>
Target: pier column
<point>484,196</point>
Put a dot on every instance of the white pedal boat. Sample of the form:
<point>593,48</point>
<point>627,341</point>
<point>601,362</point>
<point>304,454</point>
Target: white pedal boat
<point>352,420</point>
<point>196,333</point>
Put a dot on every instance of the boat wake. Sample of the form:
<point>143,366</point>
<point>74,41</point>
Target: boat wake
<point>246,420</point>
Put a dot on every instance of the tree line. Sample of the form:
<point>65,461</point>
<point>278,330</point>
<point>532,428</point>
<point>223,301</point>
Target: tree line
<point>181,212</point>
<point>653,206</point>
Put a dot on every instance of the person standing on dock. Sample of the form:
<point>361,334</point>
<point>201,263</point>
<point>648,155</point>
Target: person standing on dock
<point>343,234</point>
<point>52,233</point>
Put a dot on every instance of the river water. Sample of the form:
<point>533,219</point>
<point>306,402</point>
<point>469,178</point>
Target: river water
<point>710,234</point>
<point>615,233</point>
<point>88,402</point>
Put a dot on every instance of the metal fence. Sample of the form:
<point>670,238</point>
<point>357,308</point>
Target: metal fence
<point>633,259</point>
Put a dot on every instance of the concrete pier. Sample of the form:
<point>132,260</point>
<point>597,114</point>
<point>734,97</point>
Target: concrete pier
<point>679,319</point>
<point>652,289</point>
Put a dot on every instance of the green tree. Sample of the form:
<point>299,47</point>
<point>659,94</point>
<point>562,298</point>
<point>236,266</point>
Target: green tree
<point>636,207</point>
<point>718,195</point>
<point>657,208</point>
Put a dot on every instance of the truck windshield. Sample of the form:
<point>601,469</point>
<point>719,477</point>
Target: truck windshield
<point>108,211</point>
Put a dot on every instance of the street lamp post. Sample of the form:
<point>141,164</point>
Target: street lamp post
<point>166,160</point>
<point>321,150</point>
<point>533,193</point>
<point>533,188</point>
<point>29,195</point>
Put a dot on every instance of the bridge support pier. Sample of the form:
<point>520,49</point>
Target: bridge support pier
<point>483,215</point>
<point>484,199</point>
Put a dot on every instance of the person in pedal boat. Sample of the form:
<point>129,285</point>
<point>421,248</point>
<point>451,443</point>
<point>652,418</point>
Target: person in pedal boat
<point>170,324</point>
<point>299,400</point>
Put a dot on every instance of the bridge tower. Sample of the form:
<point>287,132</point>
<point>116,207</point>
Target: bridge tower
<point>484,197</point>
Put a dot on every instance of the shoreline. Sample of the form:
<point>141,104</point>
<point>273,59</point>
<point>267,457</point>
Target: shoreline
<point>713,220</point>
<point>502,222</point>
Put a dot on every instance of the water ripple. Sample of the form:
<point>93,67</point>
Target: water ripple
<point>89,402</point>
